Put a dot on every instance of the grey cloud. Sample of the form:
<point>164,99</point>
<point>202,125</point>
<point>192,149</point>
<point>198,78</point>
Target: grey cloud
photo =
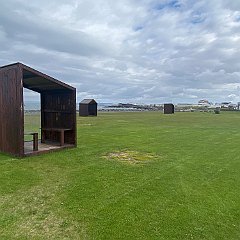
<point>20,27</point>
<point>128,50</point>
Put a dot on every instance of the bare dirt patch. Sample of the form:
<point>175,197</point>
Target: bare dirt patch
<point>130,157</point>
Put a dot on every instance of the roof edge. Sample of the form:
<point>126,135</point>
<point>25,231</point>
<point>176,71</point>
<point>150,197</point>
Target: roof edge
<point>23,66</point>
<point>88,101</point>
<point>11,64</point>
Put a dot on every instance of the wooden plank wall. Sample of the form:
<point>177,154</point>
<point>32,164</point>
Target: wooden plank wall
<point>168,108</point>
<point>87,109</point>
<point>83,110</point>
<point>11,110</point>
<point>58,110</point>
<point>92,108</point>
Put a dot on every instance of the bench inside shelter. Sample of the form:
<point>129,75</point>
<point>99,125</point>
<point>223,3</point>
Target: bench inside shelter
<point>34,140</point>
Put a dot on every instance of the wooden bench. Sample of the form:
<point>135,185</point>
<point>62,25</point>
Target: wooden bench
<point>35,140</point>
<point>60,130</point>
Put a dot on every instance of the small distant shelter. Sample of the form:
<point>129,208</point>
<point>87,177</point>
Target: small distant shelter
<point>88,107</point>
<point>168,108</point>
<point>58,111</point>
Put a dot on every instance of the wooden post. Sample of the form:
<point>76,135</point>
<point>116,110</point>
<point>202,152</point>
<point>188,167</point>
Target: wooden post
<point>43,136</point>
<point>35,141</point>
<point>61,137</point>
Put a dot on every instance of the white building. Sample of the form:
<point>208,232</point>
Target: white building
<point>204,102</point>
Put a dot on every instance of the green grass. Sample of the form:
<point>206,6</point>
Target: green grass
<point>186,185</point>
<point>32,123</point>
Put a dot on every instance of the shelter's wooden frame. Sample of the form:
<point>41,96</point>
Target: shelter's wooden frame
<point>58,108</point>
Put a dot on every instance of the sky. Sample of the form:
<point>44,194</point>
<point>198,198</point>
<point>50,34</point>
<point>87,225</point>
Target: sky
<point>138,51</point>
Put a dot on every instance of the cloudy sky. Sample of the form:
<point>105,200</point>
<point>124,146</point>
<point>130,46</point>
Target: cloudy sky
<point>139,51</point>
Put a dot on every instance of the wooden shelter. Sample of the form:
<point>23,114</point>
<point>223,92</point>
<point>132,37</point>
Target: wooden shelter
<point>88,107</point>
<point>168,108</point>
<point>58,111</point>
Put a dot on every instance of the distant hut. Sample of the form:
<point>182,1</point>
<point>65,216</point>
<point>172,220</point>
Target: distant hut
<point>217,110</point>
<point>168,108</point>
<point>88,107</point>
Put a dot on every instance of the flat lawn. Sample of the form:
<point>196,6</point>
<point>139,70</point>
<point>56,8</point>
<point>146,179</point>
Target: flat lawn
<point>140,175</point>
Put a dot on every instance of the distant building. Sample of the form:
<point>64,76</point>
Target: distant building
<point>168,108</point>
<point>88,107</point>
<point>225,104</point>
<point>204,102</point>
<point>232,106</point>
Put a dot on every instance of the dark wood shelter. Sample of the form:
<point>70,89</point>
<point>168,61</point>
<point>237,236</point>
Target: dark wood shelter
<point>58,111</point>
<point>168,108</point>
<point>88,107</point>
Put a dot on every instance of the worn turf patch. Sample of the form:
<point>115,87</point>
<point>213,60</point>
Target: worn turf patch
<point>130,157</point>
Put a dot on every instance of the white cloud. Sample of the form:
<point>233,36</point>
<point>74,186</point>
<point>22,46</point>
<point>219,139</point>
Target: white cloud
<point>145,50</point>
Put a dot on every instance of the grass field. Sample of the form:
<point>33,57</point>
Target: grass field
<point>133,176</point>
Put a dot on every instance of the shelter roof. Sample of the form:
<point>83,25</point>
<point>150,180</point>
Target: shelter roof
<point>38,81</point>
<point>88,101</point>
